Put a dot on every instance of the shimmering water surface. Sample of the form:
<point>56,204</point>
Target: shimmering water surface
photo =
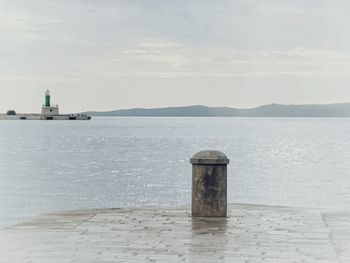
<point>131,162</point>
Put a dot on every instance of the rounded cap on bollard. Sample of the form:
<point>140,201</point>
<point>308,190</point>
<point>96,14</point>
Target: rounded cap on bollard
<point>210,157</point>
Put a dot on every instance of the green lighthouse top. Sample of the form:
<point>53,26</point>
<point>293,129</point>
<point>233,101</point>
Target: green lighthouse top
<point>47,98</point>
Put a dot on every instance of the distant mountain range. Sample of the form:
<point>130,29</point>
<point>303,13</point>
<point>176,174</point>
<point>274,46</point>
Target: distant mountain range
<point>272,110</point>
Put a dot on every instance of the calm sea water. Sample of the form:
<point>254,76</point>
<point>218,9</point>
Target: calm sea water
<point>132,162</point>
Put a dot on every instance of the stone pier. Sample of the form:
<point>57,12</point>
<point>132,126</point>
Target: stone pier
<point>250,233</point>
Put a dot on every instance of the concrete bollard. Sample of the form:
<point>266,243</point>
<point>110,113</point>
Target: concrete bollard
<point>209,184</point>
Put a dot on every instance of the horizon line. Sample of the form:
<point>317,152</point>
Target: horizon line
<point>229,107</point>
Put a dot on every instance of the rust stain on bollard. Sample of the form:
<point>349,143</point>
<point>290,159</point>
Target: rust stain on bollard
<point>209,184</point>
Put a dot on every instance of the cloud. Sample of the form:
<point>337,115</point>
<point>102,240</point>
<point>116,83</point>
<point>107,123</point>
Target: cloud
<point>24,25</point>
<point>164,59</point>
<point>162,44</point>
<point>134,51</point>
<point>173,39</point>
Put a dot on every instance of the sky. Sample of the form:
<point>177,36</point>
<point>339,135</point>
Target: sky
<point>113,54</point>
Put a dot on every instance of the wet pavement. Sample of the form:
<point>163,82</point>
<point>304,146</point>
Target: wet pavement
<point>251,233</point>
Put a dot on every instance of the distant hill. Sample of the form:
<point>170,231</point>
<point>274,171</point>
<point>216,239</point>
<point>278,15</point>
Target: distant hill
<point>272,110</point>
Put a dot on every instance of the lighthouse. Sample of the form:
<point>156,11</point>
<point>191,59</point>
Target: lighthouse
<point>47,98</point>
<point>48,112</point>
<point>47,109</point>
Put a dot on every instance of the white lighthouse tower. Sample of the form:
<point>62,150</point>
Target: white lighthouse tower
<point>47,109</point>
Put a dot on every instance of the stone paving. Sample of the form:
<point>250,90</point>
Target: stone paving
<point>251,233</point>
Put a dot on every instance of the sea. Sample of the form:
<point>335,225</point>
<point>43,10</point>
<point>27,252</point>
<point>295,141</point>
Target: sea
<point>48,166</point>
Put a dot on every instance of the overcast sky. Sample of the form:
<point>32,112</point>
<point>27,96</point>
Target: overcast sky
<point>111,54</point>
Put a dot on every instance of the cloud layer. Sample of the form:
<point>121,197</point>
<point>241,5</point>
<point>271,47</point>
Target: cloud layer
<point>147,46</point>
